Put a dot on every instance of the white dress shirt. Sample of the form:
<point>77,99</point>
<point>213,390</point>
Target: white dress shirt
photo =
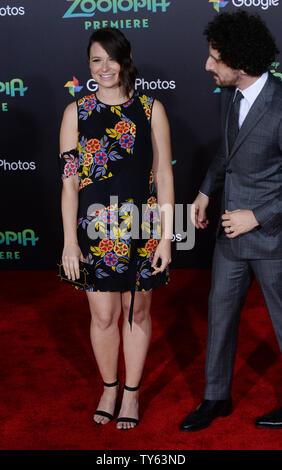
<point>250,95</point>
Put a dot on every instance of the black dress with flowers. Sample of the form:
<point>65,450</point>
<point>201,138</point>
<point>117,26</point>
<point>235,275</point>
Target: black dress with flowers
<point>118,223</point>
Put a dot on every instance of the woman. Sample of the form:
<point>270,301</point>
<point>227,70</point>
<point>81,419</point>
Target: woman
<point>116,143</point>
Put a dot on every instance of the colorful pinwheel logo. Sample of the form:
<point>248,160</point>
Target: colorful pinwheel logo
<point>217,4</point>
<point>73,86</point>
<point>274,70</point>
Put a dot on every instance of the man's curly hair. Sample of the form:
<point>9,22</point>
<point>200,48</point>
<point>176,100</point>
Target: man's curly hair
<point>243,41</point>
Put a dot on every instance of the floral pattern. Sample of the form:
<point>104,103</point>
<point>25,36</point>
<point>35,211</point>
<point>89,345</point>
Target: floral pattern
<point>92,145</point>
<point>112,252</point>
<point>69,163</point>
<point>126,141</point>
<point>97,158</point>
<point>110,259</point>
<point>87,105</point>
<point>106,244</point>
<point>151,224</point>
<point>122,127</point>
<point>147,103</point>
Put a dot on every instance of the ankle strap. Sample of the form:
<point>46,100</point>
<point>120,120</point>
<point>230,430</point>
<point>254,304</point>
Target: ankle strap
<point>114,384</point>
<point>132,389</point>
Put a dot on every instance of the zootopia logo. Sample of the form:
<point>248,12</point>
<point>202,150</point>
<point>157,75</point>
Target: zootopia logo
<point>87,8</point>
<point>14,86</point>
<point>22,238</point>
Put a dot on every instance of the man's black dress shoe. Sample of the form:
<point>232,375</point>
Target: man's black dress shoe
<point>271,421</point>
<point>206,412</point>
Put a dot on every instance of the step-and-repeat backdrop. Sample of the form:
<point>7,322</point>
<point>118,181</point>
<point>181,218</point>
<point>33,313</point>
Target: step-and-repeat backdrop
<point>44,67</point>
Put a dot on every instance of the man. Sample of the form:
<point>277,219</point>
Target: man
<point>248,171</point>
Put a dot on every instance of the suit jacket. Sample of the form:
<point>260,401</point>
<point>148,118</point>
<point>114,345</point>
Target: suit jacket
<point>250,177</point>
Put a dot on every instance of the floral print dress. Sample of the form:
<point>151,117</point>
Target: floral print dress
<point>117,198</point>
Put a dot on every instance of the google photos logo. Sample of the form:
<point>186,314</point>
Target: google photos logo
<point>274,70</point>
<point>73,86</point>
<point>217,4</point>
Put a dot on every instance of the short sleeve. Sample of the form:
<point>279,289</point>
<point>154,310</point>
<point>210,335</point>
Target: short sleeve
<point>147,103</point>
<point>68,163</point>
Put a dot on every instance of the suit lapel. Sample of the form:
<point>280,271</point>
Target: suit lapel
<point>228,107</point>
<point>257,110</point>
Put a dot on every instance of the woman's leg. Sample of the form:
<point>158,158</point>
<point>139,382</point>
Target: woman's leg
<point>135,345</point>
<point>105,308</point>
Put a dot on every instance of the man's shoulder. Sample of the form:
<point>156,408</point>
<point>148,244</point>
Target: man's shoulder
<point>275,82</point>
<point>275,93</point>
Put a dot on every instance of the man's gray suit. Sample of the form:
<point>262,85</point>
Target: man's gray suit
<point>250,177</point>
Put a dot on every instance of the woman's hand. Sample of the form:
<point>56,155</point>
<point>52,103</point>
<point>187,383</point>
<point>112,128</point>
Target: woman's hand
<point>70,259</point>
<point>163,253</point>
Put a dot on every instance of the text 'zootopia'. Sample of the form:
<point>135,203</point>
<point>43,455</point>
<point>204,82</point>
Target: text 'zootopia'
<point>87,8</point>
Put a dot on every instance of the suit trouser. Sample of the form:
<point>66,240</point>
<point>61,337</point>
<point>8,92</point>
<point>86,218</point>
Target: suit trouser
<point>231,279</point>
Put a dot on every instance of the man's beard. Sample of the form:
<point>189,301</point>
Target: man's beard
<point>226,82</point>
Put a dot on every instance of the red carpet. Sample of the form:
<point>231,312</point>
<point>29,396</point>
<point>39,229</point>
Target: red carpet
<point>50,385</point>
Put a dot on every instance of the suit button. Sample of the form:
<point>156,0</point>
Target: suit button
<point>229,170</point>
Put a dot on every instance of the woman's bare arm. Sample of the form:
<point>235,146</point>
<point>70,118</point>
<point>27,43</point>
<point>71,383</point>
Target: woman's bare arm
<point>163,177</point>
<point>69,198</point>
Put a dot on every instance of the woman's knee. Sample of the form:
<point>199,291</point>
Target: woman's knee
<point>140,314</point>
<point>104,320</point>
<point>105,308</point>
<point>141,308</point>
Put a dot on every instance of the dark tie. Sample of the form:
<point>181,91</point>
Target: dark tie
<point>233,122</point>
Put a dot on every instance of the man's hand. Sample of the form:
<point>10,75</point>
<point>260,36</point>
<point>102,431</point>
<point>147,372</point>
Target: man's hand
<point>237,222</point>
<point>198,211</point>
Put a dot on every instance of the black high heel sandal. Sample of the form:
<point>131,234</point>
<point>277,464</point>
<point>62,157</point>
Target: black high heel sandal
<point>105,414</point>
<point>129,420</point>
